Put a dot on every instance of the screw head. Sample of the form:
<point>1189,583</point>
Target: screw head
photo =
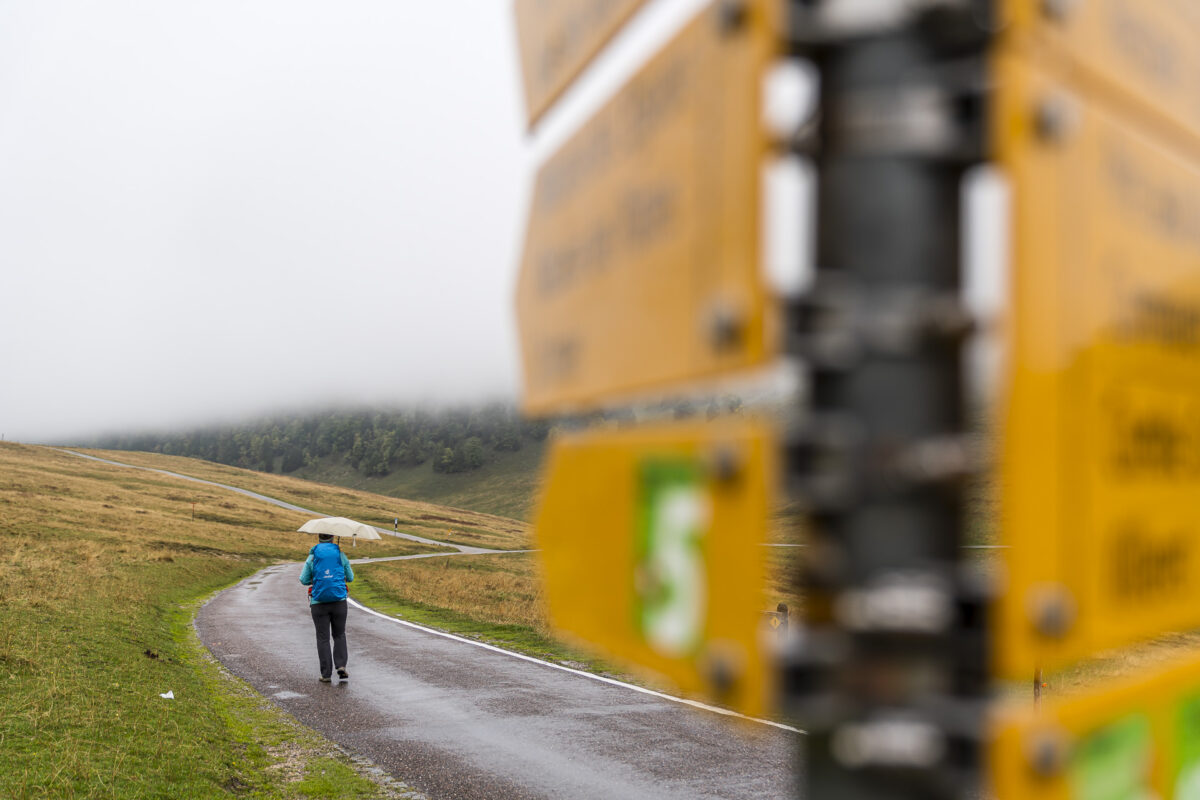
<point>726,328</point>
<point>731,16</point>
<point>726,463</point>
<point>1052,610</point>
<point>722,665</point>
<point>1058,10</point>
<point>1047,752</point>
<point>1055,117</point>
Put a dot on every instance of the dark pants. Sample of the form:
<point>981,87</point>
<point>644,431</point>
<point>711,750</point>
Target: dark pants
<point>325,616</point>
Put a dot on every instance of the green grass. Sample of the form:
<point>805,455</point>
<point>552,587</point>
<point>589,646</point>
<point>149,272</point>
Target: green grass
<point>103,569</point>
<point>330,778</point>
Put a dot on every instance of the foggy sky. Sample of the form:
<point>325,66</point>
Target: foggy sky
<point>213,209</point>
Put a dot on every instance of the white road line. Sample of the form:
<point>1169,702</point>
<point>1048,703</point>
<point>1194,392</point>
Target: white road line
<point>581,673</point>
<point>436,555</point>
<point>964,546</point>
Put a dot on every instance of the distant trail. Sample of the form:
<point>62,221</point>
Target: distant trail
<point>461,548</point>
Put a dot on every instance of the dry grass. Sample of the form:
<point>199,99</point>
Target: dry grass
<point>98,563</point>
<point>500,589</point>
<point>423,519</point>
<point>1105,668</point>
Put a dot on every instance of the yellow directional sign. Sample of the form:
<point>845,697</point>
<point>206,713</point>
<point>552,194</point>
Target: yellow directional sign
<point>641,264</point>
<point>557,38</point>
<point>1139,55</point>
<point>651,547</point>
<point>1138,740</point>
<point>1101,460</point>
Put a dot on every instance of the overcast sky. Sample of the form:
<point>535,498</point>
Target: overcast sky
<point>213,209</point>
<point>210,210</point>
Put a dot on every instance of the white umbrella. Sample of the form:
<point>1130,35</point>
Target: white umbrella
<point>340,526</point>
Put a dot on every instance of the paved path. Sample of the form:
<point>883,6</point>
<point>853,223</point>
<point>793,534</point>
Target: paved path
<point>463,721</point>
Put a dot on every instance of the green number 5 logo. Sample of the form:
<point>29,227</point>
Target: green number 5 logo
<point>669,578</point>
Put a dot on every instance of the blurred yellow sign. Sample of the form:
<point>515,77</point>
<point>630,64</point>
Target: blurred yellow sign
<point>1136,741</point>
<point>557,38</point>
<point>651,546</point>
<point>1139,55</point>
<point>1100,480</point>
<point>641,263</point>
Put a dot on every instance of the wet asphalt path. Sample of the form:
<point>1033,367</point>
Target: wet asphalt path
<point>460,721</point>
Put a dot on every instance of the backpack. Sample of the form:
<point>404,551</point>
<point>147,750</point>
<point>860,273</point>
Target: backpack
<point>329,579</point>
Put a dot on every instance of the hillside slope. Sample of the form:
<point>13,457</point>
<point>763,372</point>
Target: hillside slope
<point>107,693</point>
<point>430,520</point>
<point>506,485</point>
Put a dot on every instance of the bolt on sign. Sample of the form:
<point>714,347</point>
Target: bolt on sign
<point>1101,461</point>
<point>652,552</point>
<point>1136,741</point>
<point>641,264</point>
<point>557,39</point>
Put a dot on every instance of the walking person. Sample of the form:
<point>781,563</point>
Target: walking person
<point>327,571</point>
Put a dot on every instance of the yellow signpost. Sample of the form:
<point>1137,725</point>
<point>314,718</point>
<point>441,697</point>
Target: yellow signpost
<point>1140,739</point>
<point>652,551</point>
<point>557,38</point>
<point>1137,54</point>
<point>641,264</point>
<point>1101,466</point>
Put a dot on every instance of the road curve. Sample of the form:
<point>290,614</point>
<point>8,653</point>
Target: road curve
<point>460,721</point>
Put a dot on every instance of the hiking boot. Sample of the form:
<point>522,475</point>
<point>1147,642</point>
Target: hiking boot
<point>326,680</point>
<point>343,674</point>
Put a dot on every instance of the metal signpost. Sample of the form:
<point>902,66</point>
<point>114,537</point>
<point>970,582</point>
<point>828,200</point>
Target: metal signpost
<point>641,273</point>
<point>1103,445</point>
<point>652,551</point>
<point>1096,123</point>
<point>641,262</point>
<point>892,681</point>
<point>1103,448</point>
<point>557,38</point>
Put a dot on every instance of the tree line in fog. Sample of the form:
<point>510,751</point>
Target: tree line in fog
<point>372,442</point>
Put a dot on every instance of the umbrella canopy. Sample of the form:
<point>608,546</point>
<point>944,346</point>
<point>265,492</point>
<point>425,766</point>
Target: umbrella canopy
<point>340,526</point>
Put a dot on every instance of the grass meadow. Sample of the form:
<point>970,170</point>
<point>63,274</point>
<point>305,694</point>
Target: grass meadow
<point>507,485</point>
<point>103,568</point>
<point>427,520</point>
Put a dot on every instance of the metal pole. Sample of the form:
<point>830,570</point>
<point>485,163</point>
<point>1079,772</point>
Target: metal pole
<point>891,680</point>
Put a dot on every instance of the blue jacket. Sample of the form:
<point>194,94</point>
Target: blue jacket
<point>306,574</point>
